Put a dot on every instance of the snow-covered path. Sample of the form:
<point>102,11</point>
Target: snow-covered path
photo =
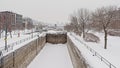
<point>52,56</point>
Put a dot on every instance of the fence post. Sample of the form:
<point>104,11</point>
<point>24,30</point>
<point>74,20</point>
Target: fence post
<point>1,54</point>
<point>2,62</point>
<point>13,59</point>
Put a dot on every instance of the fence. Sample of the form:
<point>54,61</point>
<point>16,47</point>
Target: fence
<point>110,65</point>
<point>10,46</point>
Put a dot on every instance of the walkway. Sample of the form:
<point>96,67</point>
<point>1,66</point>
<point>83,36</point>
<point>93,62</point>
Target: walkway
<point>52,56</point>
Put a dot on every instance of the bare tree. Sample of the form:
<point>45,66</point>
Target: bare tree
<point>1,25</point>
<point>68,27</point>
<point>104,16</point>
<point>75,24</point>
<point>83,19</point>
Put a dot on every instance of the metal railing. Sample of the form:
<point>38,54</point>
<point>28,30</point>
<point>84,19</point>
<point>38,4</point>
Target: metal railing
<point>10,46</point>
<point>110,65</point>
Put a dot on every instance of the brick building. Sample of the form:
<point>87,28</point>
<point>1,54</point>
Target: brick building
<point>12,20</point>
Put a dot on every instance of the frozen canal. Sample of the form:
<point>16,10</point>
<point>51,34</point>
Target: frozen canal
<point>52,56</point>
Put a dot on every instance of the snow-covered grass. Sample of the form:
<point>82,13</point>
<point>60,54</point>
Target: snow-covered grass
<point>112,51</point>
<point>52,56</point>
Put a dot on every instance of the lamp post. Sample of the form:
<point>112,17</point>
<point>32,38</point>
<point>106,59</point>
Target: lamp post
<point>5,21</point>
<point>6,36</point>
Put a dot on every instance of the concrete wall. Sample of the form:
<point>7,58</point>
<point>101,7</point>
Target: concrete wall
<point>76,57</point>
<point>22,57</point>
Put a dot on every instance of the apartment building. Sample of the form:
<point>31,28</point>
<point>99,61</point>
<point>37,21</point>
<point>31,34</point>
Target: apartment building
<point>11,20</point>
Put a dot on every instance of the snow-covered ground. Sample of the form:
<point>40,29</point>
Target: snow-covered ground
<point>22,35</point>
<point>57,56</point>
<point>52,56</point>
<point>16,42</point>
<point>15,37</point>
<point>111,53</point>
<point>11,40</point>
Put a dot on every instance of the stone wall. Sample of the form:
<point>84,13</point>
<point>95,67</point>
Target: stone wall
<point>22,57</point>
<point>56,38</point>
<point>76,57</point>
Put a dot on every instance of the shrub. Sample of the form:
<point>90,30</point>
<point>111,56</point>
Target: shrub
<point>89,37</point>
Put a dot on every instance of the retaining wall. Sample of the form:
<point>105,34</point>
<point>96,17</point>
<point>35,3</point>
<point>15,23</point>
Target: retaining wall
<point>55,38</point>
<point>22,57</point>
<point>76,57</point>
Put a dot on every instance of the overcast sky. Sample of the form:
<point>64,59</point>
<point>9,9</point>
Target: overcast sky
<point>52,11</point>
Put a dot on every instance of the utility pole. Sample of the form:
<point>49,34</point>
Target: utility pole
<point>32,32</point>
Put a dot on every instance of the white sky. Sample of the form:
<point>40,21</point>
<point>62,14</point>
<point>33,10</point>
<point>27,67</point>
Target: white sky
<point>52,11</point>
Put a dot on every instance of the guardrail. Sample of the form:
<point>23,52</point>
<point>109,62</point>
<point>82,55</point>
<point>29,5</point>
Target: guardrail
<point>110,65</point>
<point>10,46</point>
